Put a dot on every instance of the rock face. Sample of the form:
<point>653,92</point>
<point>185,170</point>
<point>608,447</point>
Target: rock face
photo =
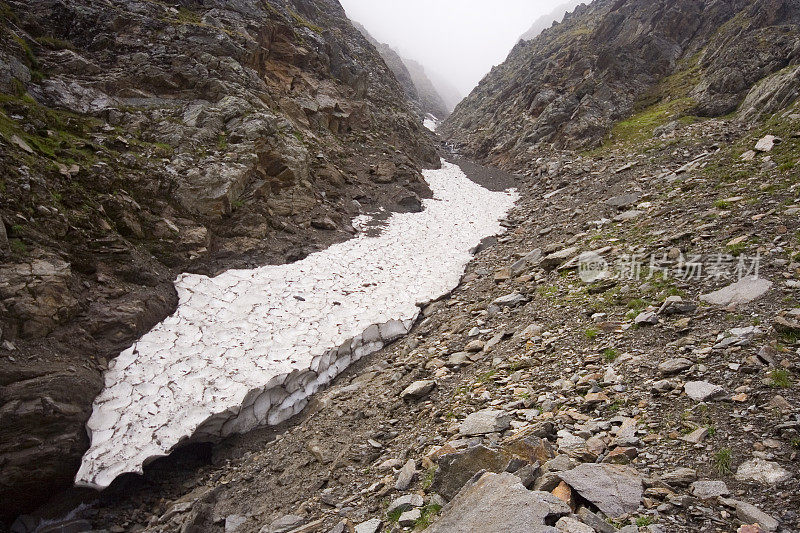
<point>569,85</point>
<point>141,140</point>
<point>498,503</point>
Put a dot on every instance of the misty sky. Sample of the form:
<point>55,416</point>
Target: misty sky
<point>461,39</point>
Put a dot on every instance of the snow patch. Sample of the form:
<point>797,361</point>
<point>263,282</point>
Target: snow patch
<point>249,347</point>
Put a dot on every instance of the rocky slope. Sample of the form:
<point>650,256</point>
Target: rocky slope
<point>545,21</point>
<point>142,139</point>
<point>630,403</point>
<point>412,77</point>
<point>571,84</point>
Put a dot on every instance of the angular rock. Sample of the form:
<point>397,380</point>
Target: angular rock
<point>568,524</point>
<point>674,366</point>
<point>405,502</point>
<point>418,390</point>
<point>370,526</point>
<point>706,490</point>
<point>285,523</point>
<point>750,514</point>
<point>646,318</point>
<point>762,471</point>
<point>454,470</point>
<point>675,305</point>
<point>701,391</point>
<point>742,292</point>
<point>530,259</point>
<point>498,503</point>
<point>485,421</point>
<point>409,518</point>
<point>406,475</point>
<point>510,300</point>
<point>555,259</point>
<point>696,437</point>
<point>614,489</point>
<point>766,143</point>
<point>680,476</point>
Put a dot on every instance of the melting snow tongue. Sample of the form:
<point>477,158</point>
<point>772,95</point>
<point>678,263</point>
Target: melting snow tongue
<point>249,347</point>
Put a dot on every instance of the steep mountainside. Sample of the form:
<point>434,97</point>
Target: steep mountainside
<point>545,21</point>
<point>412,77</point>
<point>449,92</point>
<point>139,139</point>
<point>613,58</point>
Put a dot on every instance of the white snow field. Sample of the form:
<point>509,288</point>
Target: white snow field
<point>248,347</point>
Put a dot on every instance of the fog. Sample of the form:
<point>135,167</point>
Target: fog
<point>458,39</point>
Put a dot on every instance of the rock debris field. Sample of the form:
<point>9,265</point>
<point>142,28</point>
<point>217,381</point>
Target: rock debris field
<point>249,347</point>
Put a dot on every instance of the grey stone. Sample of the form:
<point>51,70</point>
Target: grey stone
<point>510,300</point>
<point>531,258</point>
<point>406,475</point>
<point>454,470</point>
<point>370,526</point>
<point>706,490</point>
<point>485,421</point>
<point>700,391</point>
<point>567,524</point>
<point>405,502</point>
<point>234,522</point>
<point>750,514</point>
<point>762,471</point>
<point>555,259</point>
<point>628,215</point>
<point>675,305</point>
<point>674,366</point>
<point>623,200</point>
<point>697,436</point>
<point>614,489</point>
<point>766,143</point>
<point>498,503</point>
<point>285,523</point>
<point>590,518</point>
<point>743,291</point>
<point>409,518</point>
<point>646,318</point>
<point>418,390</point>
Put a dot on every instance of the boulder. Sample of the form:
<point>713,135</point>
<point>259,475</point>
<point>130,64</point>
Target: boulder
<point>498,503</point>
<point>418,390</point>
<point>454,470</point>
<point>485,421</point>
<point>762,471</point>
<point>742,292</point>
<point>555,259</point>
<point>614,489</point>
<point>700,391</point>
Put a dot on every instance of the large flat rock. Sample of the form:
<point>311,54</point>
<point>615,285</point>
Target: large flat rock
<point>498,503</point>
<point>614,489</point>
<point>248,347</point>
<point>742,292</point>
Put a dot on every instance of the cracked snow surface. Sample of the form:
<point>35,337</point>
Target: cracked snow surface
<point>248,347</point>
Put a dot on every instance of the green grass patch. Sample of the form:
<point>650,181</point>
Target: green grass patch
<point>722,461</point>
<point>780,379</point>
<point>591,333</point>
<point>610,355</point>
<point>428,513</point>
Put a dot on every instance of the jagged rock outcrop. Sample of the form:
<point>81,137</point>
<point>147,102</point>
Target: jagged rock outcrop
<point>412,77</point>
<point>607,60</point>
<point>555,16</point>
<point>141,139</point>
